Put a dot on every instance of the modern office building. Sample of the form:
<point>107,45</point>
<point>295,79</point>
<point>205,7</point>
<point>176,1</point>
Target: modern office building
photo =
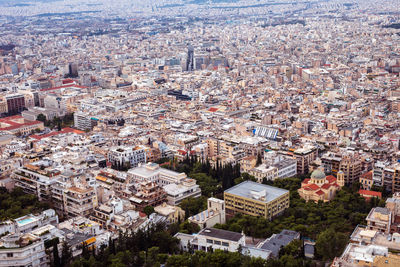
<point>256,199</point>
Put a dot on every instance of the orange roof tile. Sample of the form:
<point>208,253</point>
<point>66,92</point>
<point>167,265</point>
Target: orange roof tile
<point>370,193</point>
<point>326,186</point>
<point>331,178</point>
<point>313,187</point>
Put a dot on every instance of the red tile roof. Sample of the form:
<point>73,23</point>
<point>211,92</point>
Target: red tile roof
<point>326,186</point>
<point>368,193</point>
<point>15,125</point>
<point>212,109</point>
<point>312,187</point>
<point>331,178</point>
<point>319,192</point>
<point>367,175</point>
<point>65,130</point>
<point>305,181</point>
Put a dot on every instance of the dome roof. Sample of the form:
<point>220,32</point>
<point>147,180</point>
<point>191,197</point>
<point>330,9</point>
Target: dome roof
<point>318,174</point>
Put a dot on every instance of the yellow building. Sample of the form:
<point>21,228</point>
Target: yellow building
<point>255,199</point>
<point>173,213</point>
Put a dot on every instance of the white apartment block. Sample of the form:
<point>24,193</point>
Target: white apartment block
<point>177,185</point>
<point>124,155</point>
<point>22,250</point>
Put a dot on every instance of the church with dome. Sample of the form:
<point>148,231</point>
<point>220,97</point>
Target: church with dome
<point>321,187</point>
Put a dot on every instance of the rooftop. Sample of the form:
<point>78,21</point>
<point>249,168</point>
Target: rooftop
<point>221,234</point>
<point>260,192</point>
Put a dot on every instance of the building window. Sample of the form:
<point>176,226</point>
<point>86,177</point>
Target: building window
<point>225,244</point>
<point>209,241</point>
<point>217,242</point>
<point>10,255</point>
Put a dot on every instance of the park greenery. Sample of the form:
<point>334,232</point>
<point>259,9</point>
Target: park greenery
<point>329,223</point>
<point>16,203</point>
<point>59,123</point>
<point>156,246</point>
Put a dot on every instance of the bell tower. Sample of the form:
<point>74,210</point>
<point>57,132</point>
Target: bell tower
<point>340,178</point>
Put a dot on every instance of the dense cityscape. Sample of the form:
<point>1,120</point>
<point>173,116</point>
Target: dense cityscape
<point>200,133</point>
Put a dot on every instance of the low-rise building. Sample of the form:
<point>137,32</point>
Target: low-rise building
<point>174,214</point>
<point>256,199</point>
<point>18,125</point>
<point>211,238</point>
<point>320,187</point>
<point>379,219</point>
<point>366,180</point>
<point>215,213</point>
<point>262,171</point>
<point>277,241</point>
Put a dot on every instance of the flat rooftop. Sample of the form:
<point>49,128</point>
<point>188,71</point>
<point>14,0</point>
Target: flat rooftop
<point>247,188</point>
<point>221,234</point>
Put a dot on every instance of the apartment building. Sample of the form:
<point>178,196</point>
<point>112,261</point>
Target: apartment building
<point>37,179</point>
<point>177,185</point>
<point>223,150</point>
<point>83,121</point>
<point>148,194</point>
<point>178,192</point>
<point>350,165</point>
<point>304,157</point>
<point>263,171</point>
<point>379,219</point>
<point>331,162</point>
<point>105,213</point>
<point>378,173</point>
<point>256,199</point>
<point>23,250</point>
<point>124,156</point>
<point>15,103</point>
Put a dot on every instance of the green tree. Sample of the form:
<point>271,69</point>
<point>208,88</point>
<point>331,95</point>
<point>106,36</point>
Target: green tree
<point>56,256</point>
<point>330,244</point>
<point>148,210</point>
<point>189,227</point>
<point>41,117</point>
<point>259,159</point>
<point>66,254</point>
<point>192,206</point>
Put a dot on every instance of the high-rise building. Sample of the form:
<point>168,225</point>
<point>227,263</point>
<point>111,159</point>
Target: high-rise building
<point>73,70</point>
<point>15,103</point>
<point>190,59</point>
